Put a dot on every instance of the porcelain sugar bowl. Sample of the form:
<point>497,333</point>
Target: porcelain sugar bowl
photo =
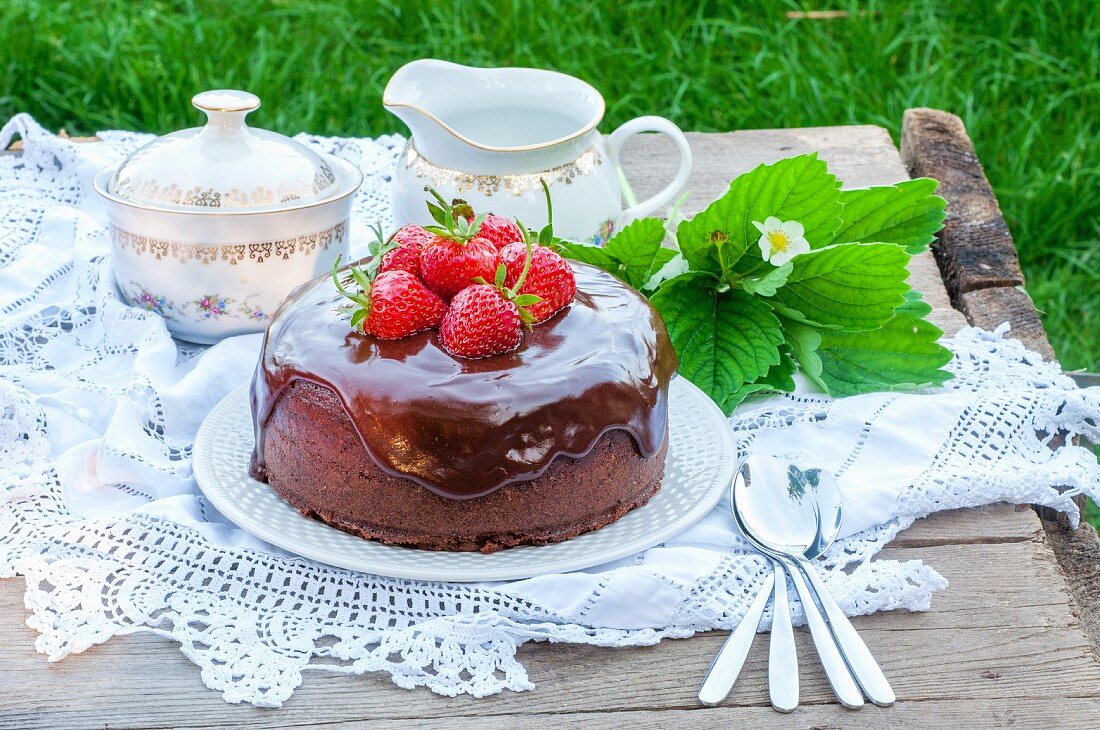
<point>212,227</point>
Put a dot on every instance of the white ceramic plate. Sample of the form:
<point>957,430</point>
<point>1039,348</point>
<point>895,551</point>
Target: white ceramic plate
<point>698,470</point>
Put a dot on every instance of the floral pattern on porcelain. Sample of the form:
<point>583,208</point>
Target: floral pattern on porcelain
<point>604,233</point>
<point>208,306</point>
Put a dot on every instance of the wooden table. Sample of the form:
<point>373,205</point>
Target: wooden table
<point>1007,644</point>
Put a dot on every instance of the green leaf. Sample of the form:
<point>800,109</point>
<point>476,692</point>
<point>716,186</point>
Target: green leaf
<point>768,284</point>
<point>636,247</point>
<point>587,254</point>
<point>724,339</point>
<point>797,188</point>
<point>778,378</point>
<point>360,278</point>
<point>634,254</point>
<point>904,353</point>
<point>670,269</point>
<point>846,286</point>
<point>804,342</point>
<point>908,213</point>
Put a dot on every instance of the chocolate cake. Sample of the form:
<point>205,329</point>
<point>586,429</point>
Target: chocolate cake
<point>399,441</point>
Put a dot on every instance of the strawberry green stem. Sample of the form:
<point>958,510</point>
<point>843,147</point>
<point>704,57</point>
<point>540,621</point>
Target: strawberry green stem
<point>526,267</point>
<point>549,205</point>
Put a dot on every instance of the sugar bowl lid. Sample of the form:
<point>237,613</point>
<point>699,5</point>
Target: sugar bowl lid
<point>224,165</point>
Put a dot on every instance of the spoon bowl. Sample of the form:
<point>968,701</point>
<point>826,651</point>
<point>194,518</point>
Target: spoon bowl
<point>829,508</point>
<point>777,504</point>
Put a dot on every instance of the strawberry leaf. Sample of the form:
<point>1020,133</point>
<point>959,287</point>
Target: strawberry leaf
<point>360,278</point>
<point>722,239</point>
<point>634,254</point>
<point>777,379</point>
<point>526,300</point>
<point>903,353</point>
<point>768,284</point>
<point>846,286</point>
<point>588,254</point>
<point>724,339</point>
<point>637,250</point>
<point>908,214</point>
<point>357,318</point>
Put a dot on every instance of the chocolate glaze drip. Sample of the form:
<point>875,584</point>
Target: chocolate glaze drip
<point>465,428</point>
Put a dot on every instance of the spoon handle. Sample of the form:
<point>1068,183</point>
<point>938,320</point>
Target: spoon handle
<point>866,670</point>
<point>836,670</point>
<point>782,657</point>
<point>731,657</point>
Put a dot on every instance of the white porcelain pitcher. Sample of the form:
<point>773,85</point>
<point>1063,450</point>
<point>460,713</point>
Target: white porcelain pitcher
<point>489,135</point>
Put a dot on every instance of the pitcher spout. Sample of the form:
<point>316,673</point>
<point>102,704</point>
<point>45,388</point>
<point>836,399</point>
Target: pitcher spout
<point>411,95</point>
<point>458,112</point>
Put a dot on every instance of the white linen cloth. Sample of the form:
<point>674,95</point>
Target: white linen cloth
<point>100,511</point>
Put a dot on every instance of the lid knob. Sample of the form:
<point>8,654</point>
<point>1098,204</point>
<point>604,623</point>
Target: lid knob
<point>226,107</point>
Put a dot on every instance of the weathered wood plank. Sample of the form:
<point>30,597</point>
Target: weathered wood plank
<point>988,308</point>
<point>982,273</point>
<point>975,248</point>
<point>974,715</point>
<point>991,524</point>
<point>1003,631</point>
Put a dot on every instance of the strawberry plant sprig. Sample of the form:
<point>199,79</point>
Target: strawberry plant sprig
<point>786,272</point>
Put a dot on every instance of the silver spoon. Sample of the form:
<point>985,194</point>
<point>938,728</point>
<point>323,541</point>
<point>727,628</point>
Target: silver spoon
<point>780,519</point>
<point>826,491</point>
<point>782,658</point>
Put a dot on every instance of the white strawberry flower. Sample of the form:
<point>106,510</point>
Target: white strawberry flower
<point>781,241</point>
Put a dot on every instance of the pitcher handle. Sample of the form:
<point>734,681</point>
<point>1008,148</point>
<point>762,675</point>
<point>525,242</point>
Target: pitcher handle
<point>619,137</point>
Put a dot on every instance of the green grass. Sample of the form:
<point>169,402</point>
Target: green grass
<point>1025,77</point>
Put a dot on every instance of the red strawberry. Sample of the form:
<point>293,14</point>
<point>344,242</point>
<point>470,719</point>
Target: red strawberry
<point>499,230</point>
<point>448,265</point>
<point>481,322</point>
<point>456,255</point>
<point>391,305</point>
<point>401,305</point>
<point>410,241</point>
<point>549,277</point>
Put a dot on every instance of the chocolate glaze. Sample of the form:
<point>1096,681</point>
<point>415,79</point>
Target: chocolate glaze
<point>465,428</point>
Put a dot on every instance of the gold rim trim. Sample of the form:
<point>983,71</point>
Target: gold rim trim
<point>233,253</point>
<point>488,185</point>
<point>249,101</point>
<point>99,184</point>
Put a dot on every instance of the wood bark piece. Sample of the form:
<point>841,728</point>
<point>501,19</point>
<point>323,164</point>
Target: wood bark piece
<point>988,308</point>
<point>974,249</point>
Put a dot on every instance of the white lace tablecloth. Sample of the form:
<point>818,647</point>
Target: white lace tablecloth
<point>100,511</point>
